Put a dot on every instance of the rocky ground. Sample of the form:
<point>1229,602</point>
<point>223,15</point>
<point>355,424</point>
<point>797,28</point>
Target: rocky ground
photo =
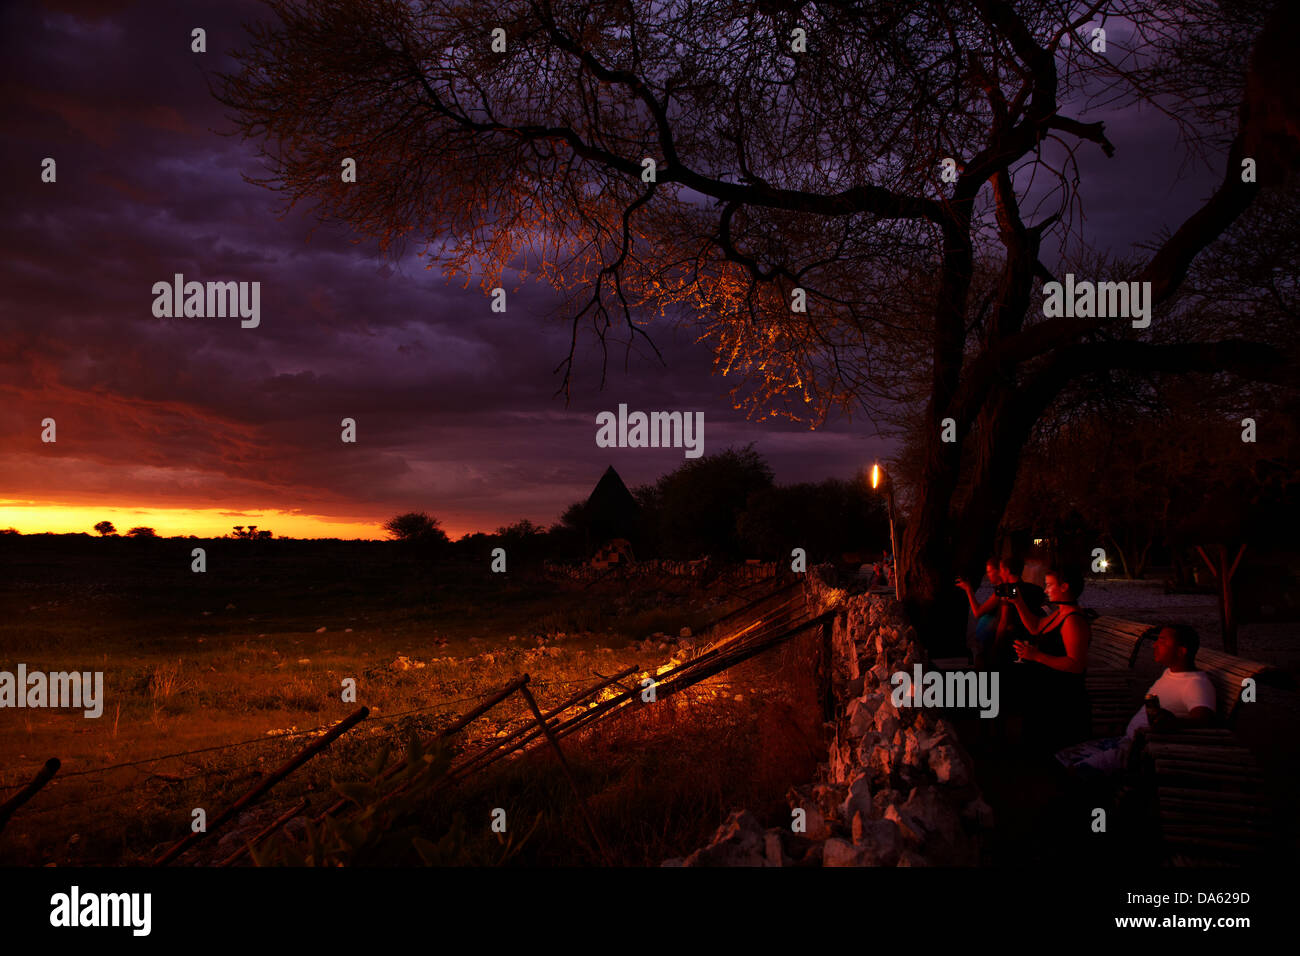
<point>899,788</point>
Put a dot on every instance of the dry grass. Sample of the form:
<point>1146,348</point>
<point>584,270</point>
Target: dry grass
<point>177,679</point>
<point>659,780</point>
<point>165,680</point>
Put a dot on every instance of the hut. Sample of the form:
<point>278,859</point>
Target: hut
<point>611,514</point>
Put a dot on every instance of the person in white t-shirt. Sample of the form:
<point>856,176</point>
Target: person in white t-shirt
<point>1186,694</point>
<point>1186,700</point>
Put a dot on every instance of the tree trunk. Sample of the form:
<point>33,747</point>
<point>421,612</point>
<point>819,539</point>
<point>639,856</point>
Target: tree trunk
<point>1123,559</point>
<point>951,538</point>
<point>1141,570</point>
<point>1223,570</point>
<point>926,567</point>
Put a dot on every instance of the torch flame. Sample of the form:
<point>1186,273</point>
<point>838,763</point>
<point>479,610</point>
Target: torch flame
<point>875,476</point>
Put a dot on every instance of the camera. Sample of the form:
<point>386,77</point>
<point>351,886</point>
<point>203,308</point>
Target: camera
<point>1007,590</point>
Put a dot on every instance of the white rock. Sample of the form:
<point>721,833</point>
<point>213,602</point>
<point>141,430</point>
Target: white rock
<point>740,841</point>
<point>772,848</point>
<point>881,842</point>
<point>858,799</point>
<point>948,767</point>
<point>978,812</point>
<point>837,852</point>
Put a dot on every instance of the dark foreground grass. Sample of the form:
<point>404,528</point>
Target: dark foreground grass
<point>255,651</point>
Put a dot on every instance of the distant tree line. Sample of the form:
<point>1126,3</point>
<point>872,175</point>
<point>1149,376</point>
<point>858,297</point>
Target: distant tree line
<point>725,506</point>
<point>107,528</point>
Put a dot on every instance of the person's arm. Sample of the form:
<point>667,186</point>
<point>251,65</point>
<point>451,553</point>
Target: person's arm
<point>1198,717</point>
<point>1034,624</point>
<point>977,610</point>
<point>1075,636</point>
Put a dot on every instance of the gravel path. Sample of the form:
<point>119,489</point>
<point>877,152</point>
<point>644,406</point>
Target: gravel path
<point>1272,642</point>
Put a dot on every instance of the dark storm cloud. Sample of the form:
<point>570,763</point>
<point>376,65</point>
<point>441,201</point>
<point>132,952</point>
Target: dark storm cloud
<point>455,405</point>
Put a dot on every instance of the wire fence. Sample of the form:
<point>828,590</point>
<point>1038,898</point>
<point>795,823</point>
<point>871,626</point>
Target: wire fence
<point>104,795</point>
<point>276,738</point>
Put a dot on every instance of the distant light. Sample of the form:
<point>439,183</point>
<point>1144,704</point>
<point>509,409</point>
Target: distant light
<point>1105,564</point>
<point>875,476</point>
<point>1038,542</point>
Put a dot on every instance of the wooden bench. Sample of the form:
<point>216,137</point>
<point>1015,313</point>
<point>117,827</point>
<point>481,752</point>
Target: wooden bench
<point>1210,797</point>
<point>1208,801</point>
<point>1116,642</point>
<point>1114,691</point>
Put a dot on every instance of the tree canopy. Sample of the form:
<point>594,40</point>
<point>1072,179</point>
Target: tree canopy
<point>909,177</point>
<point>415,526</point>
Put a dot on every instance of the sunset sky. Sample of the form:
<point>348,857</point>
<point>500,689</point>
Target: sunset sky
<point>195,425</point>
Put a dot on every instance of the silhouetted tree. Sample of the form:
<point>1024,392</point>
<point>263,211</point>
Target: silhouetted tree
<point>695,508</point>
<point>783,176</point>
<point>141,531</point>
<point>415,526</point>
<point>105,528</point>
<point>825,519</point>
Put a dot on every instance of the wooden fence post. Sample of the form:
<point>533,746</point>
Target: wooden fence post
<point>564,765</point>
<point>338,730</point>
<point>456,725</point>
<point>26,793</point>
<point>530,731</point>
<point>275,824</point>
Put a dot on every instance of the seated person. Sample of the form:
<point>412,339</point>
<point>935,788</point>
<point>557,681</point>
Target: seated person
<point>1186,700</point>
<point>987,615</point>
<point>1053,698</point>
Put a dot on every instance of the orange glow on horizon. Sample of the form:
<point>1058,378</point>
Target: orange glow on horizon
<point>31,517</point>
<point>39,517</point>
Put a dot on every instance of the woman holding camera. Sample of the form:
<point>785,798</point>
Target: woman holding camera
<point>1056,657</point>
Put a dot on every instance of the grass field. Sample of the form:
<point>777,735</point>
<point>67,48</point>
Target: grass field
<point>258,646</point>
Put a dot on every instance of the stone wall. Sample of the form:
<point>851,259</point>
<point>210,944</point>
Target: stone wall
<point>898,789</point>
